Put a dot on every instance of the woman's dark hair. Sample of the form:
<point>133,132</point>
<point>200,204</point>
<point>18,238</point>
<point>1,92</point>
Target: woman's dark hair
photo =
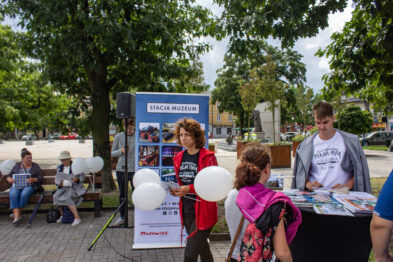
<point>193,128</point>
<point>255,158</point>
<point>24,152</point>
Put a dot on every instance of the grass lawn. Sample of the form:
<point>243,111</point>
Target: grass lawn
<point>376,147</point>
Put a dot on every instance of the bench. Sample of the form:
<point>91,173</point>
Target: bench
<point>92,194</point>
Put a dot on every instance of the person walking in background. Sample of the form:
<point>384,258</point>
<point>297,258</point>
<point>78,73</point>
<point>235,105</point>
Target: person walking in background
<point>70,196</point>
<point>273,218</point>
<point>382,222</point>
<point>119,150</point>
<point>197,215</point>
<point>330,158</point>
<point>19,196</point>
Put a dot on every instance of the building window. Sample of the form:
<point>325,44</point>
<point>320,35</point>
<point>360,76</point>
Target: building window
<point>218,118</point>
<point>218,130</point>
<point>230,118</point>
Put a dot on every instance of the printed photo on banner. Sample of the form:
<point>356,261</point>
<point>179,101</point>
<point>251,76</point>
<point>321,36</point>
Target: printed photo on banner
<point>168,133</point>
<point>149,132</point>
<point>149,156</point>
<point>168,152</point>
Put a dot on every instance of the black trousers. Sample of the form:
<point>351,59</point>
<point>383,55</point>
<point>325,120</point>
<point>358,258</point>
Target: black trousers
<point>197,244</point>
<point>120,182</point>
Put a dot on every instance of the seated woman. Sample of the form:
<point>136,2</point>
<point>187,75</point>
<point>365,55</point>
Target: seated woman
<point>70,196</point>
<point>19,196</point>
<point>273,219</point>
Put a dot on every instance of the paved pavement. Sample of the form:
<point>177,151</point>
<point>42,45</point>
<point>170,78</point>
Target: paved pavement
<point>61,242</point>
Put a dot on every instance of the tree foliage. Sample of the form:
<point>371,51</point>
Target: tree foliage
<point>264,80</point>
<point>287,20</point>
<point>27,101</point>
<point>249,99</point>
<point>361,56</point>
<point>92,49</point>
<point>237,68</point>
<point>353,120</point>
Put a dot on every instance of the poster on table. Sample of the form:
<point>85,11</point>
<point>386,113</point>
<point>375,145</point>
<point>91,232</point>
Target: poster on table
<point>156,115</point>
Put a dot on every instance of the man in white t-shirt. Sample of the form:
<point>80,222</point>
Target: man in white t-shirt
<point>330,158</point>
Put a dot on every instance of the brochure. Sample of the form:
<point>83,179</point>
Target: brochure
<point>331,209</point>
<point>357,202</point>
<point>21,180</point>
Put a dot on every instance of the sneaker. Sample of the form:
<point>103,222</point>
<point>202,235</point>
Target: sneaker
<point>76,222</point>
<point>59,220</point>
<point>17,220</point>
<point>12,215</point>
<point>119,222</point>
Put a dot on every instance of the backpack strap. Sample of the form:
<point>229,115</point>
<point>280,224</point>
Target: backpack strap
<point>239,228</point>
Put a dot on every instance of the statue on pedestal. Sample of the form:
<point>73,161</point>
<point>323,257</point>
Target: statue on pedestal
<point>256,118</point>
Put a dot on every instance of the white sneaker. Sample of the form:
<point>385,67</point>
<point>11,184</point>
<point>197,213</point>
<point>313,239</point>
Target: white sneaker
<point>76,222</point>
<point>59,220</point>
<point>119,222</point>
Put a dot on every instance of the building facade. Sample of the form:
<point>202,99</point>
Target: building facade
<point>220,124</point>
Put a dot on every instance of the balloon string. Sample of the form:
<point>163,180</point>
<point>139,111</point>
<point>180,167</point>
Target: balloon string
<point>191,198</point>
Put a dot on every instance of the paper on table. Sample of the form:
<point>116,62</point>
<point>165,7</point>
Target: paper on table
<point>331,209</point>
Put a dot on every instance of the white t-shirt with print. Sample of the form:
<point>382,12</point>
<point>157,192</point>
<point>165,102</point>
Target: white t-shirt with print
<point>326,161</point>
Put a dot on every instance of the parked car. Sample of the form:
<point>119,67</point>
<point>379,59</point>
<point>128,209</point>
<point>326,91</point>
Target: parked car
<point>72,135</point>
<point>379,138</point>
<point>29,137</point>
<point>55,136</point>
<point>289,135</point>
<point>69,136</point>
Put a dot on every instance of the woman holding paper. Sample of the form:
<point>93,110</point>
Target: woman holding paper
<point>197,215</point>
<point>70,187</point>
<point>20,191</point>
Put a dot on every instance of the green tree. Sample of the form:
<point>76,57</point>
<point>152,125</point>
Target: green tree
<point>237,67</point>
<point>27,101</point>
<point>361,55</point>
<point>249,99</point>
<point>353,120</point>
<point>304,101</point>
<point>287,20</point>
<point>92,48</point>
<point>264,80</point>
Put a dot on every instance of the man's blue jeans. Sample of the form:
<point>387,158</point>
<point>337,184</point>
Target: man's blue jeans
<point>20,197</point>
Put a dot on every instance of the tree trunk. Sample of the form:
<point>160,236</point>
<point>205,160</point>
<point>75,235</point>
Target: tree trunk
<point>248,128</point>
<point>274,128</point>
<point>241,124</point>
<point>100,125</point>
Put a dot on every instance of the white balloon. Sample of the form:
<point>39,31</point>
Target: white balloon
<point>79,166</point>
<point>99,163</point>
<point>90,164</point>
<point>95,164</point>
<point>7,166</point>
<point>148,196</point>
<point>67,183</point>
<point>145,175</point>
<point>213,183</point>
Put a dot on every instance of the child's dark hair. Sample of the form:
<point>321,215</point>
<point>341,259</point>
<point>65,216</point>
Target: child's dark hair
<point>255,158</point>
<point>24,152</point>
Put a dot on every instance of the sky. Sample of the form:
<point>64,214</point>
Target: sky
<point>316,67</point>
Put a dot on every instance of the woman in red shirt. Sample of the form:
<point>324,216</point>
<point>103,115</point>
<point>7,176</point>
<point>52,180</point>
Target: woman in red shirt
<point>197,215</point>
